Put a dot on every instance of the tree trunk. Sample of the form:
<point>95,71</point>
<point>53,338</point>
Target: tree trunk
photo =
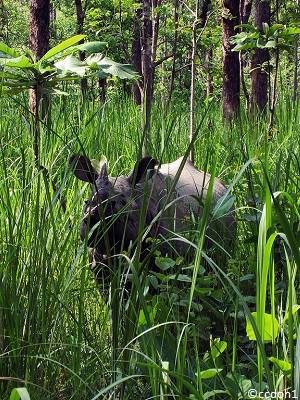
<point>259,77</point>
<point>193,80</point>
<point>39,44</point>
<point>147,72</point>
<point>231,66</point>
<point>150,24</point>
<point>172,77</point>
<point>39,27</point>
<point>137,57</point>
<point>208,52</point>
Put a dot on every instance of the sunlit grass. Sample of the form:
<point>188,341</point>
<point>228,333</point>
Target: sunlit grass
<point>62,340</point>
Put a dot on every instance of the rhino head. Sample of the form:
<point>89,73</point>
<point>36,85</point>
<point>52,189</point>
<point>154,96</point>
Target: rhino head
<point>111,214</point>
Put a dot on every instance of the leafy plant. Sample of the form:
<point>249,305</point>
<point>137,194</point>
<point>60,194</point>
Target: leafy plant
<point>22,72</point>
<point>275,36</point>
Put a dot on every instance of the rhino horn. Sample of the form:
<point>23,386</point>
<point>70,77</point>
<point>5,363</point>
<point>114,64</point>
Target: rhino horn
<point>140,170</point>
<point>83,168</point>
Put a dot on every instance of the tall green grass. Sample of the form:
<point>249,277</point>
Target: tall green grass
<point>188,340</point>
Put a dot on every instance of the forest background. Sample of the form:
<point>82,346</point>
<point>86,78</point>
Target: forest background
<point>223,77</point>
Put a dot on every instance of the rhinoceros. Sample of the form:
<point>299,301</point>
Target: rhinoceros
<point>159,203</point>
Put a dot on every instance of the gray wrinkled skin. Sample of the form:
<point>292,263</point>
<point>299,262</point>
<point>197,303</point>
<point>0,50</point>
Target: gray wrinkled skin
<point>124,206</point>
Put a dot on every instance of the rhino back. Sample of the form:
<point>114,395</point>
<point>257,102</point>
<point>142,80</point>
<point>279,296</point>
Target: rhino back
<point>192,181</point>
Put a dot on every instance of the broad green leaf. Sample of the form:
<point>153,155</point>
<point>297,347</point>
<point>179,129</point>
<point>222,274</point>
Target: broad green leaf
<point>266,28</point>
<point>245,46</point>
<point>275,28</point>
<point>9,51</point>
<point>247,26</point>
<point>123,71</point>
<point>286,32</point>
<point>213,394</point>
<point>151,313</point>
<point>209,373</point>
<point>239,37</point>
<point>271,326</point>
<point>45,66</point>
<point>70,64</point>
<point>237,385</point>
<point>202,290</point>
<point>180,277</point>
<point>19,62</point>
<point>52,90</point>
<point>218,348</point>
<point>271,44</point>
<point>89,47</point>
<point>284,366</point>
<point>19,394</point>
<point>62,46</point>
<point>92,47</point>
<point>164,263</point>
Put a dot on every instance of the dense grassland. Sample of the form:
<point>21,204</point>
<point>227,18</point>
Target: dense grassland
<point>61,339</point>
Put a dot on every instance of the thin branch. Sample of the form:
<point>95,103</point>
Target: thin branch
<point>162,60</point>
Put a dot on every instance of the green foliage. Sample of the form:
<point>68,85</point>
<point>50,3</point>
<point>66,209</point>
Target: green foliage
<point>275,36</point>
<point>14,26</point>
<point>57,65</point>
<point>270,329</point>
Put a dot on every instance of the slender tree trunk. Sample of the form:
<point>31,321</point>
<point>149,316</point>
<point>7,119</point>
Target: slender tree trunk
<point>174,50</point>
<point>148,55</point>
<point>147,72</point>
<point>199,21</point>
<point>259,77</point>
<point>80,13</point>
<point>193,80</point>
<point>231,65</point>
<point>209,52</point>
<point>164,70</point>
<point>53,28</point>
<point>136,50</point>
<point>39,44</point>
<point>3,22</point>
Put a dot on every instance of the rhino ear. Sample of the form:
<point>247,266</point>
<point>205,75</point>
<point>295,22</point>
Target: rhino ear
<point>103,176</point>
<point>140,170</point>
<point>83,168</point>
